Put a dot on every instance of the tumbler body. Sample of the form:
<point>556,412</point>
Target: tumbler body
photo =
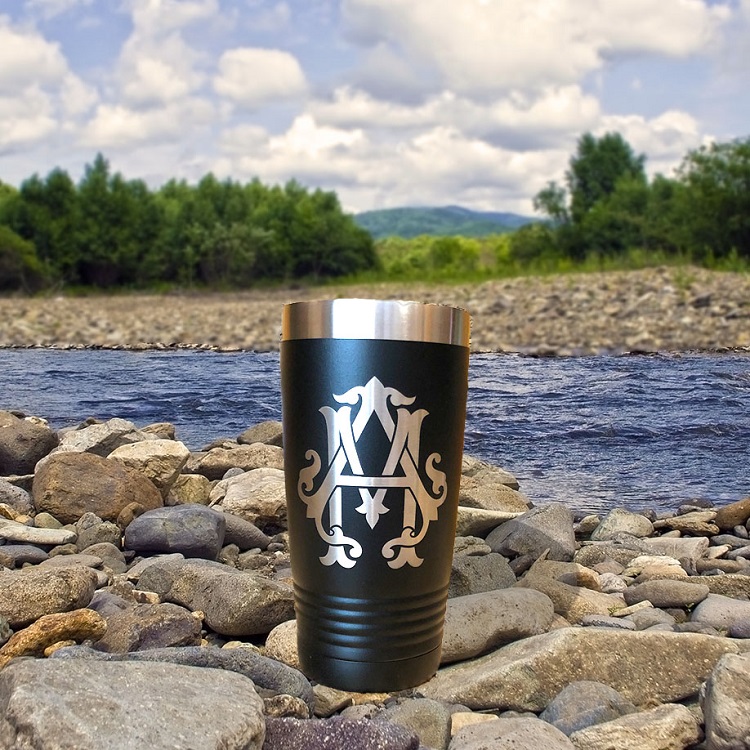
<point>374,405</point>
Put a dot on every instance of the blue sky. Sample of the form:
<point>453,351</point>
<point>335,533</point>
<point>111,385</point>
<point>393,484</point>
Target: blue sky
<point>387,102</point>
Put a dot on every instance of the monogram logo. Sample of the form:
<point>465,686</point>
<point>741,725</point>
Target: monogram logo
<point>400,474</point>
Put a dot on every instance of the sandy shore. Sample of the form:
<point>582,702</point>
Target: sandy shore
<point>664,309</point>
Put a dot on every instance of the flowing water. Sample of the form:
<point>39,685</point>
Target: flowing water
<point>591,432</point>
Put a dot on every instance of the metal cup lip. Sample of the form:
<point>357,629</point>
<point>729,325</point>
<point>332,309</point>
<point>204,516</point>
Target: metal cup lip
<point>376,319</point>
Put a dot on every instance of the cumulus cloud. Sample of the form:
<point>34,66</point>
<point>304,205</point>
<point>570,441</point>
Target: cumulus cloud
<point>119,127</point>
<point>251,77</point>
<point>155,17</point>
<point>482,48</point>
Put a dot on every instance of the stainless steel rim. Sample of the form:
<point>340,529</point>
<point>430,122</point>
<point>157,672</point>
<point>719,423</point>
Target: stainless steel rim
<point>395,320</point>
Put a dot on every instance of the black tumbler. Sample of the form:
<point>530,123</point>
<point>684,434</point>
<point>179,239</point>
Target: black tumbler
<point>374,405</point>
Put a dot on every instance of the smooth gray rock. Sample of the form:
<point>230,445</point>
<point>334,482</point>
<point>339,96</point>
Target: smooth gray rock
<point>24,553</point>
<point>16,497</point>
<point>23,442</point>
<point>234,602</point>
<point>546,527</point>
<point>721,612</point>
<point>244,534</point>
<point>584,703</point>
<point>528,674</point>
<point>481,622</point>
<point>472,521</point>
<point>689,549</point>
<point>510,734</point>
<point>429,720</point>
<point>29,593</point>
<point>139,565</point>
<point>620,520</point>
<point>666,593</point>
<point>472,574</point>
<point>92,530</point>
<point>55,705</point>
<point>725,699</point>
<point>191,530</point>
<point>110,555</point>
<point>647,618</point>
<point>101,439</point>
<point>337,733</point>
<point>269,675</point>
<point>621,550</point>
<point>667,727</point>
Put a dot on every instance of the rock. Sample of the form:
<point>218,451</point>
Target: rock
<point>148,626</point>
<point>16,497</point>
<point>234,602</point>
<point>621,551</point>
<point>71,484</point>
<point>620,520</point>
<point>572,602</point>
<point>605,621</point>
<point>244,534</point>
<point>102,438</point>
<point>721,612</point>
<point>647,618</point>
<point>191,530</point>
<point>681,548</point>
<point>111,556</point>
<point>510,734</point>
<point>697,523</point>
<point>92,530</point>
<point>486,473</point>
<point>135,570</point>
<point>737,586</point>
<point>472,575</point>
<point>666,593</point>
<point>85,705</point>
<point>481,622</point>
<point>258,496</point>
<point>28,594</point>
<point>724,700</point>
<point>13,531</point>
<point>160,430</point>
<point>23,553</point>
<point>5,631</point>
<point>281,644</point>
<point>270,677</point>
<point>497,497</point>
<point>470,545</point>
<point>429,720</point>
<point>189,489</point>
<point>668,727</point>
<point>733,514</point>
<point>279,706</point>
<point>70,561</point>
<point>216,462</point>
<point>161,461</point>
<point>583,704</point>
<point>472,521</point>
<point>78,625</point>
<point>337,733</point>
<point>269,432</point>
<point>23,442</point>
<point>546,527</point>
<point>571,573</point>
<point>528,674</point>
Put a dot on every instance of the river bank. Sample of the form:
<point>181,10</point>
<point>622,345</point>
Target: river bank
<point>146,600</point>
<point>661,309</point>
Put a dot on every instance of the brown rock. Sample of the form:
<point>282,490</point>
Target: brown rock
<point>29,593</point>
<point>734,514</point>
<point>79,625</point>
<point>218,461</point>
<point>71,484</point>
<point>23,442</point>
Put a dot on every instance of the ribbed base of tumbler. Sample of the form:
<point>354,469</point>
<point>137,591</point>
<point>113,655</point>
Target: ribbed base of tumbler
<point>370,645</point>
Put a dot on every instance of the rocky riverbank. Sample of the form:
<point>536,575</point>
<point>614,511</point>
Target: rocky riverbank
<point>146,601</point>
<point>649,310</point>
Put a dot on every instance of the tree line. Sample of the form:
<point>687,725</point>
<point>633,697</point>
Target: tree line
<point>107,231</point>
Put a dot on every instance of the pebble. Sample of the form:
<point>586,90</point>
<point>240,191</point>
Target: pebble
<point>161,578</point>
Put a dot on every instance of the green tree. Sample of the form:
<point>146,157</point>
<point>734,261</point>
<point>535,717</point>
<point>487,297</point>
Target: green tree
<point>20,267</point>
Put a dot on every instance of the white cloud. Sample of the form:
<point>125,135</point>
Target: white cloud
<point>155,17</point>
<point>25,119</point>
<point>485,48</point>
<point>252,77</point>
<point>119,127</point>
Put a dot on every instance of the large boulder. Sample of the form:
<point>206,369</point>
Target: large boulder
<point>101,438</point>
<point>725,699</point>
<point>546,527</point>
<point>55,704</point>
<point>23,442</point>
<point>69,484</point>
<point>258,496</point>
<point>641,665</point>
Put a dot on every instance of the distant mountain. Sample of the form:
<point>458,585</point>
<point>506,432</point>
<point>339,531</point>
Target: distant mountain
<point>446,220</point>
